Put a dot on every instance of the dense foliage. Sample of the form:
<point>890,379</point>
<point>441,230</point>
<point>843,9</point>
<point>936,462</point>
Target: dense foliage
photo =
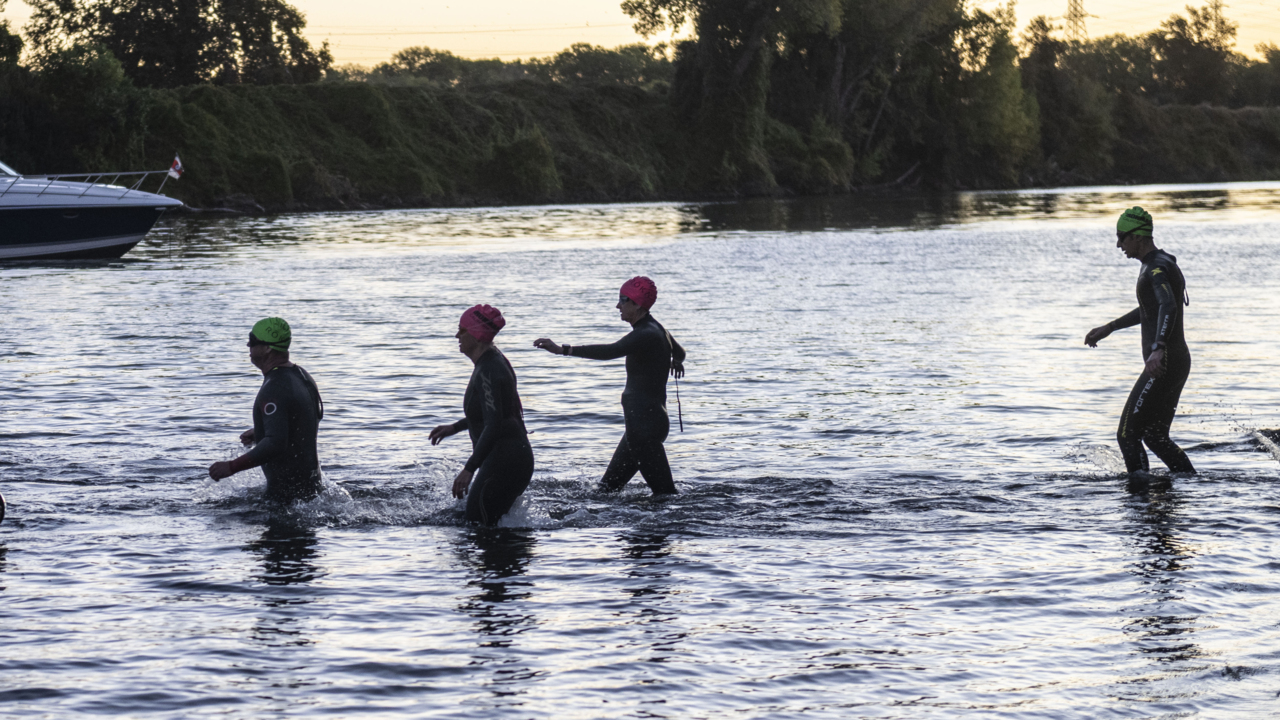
<point>170,43</point>
<point>791,96</point>
<point>637,65</point>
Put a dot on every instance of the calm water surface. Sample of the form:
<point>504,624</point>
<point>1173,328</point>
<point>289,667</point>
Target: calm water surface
<point>900,490</point>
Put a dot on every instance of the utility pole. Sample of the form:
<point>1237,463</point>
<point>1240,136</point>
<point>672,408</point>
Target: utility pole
<point>1075,21</point>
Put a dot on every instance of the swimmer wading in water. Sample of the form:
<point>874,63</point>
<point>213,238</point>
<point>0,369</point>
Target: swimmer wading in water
<point>652,354</point>
<point>286,419</point>
<point>501,458</point>
<point>1153,401</point>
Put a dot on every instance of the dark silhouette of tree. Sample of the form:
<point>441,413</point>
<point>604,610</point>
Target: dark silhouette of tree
<point>1193,56</point>
<point>636,64</point>
<point>10,44</point>
<point>721,84</point>
<point>169,43</point>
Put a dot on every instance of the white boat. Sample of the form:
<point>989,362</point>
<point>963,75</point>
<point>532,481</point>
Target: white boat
<point>55,217</point>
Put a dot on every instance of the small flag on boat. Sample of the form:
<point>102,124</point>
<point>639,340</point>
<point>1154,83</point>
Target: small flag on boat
<point>175,170</point>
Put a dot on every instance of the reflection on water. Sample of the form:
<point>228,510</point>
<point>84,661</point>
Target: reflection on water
<point>498,559</point>
<point>651,592</point>
<point>898,482</point>
<point>287,552</point>
<point>647,551</point>
<point>1163,627</point>
<point>563,226</point>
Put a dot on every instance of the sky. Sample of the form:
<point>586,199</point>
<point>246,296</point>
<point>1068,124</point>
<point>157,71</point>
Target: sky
<point>367,32</point>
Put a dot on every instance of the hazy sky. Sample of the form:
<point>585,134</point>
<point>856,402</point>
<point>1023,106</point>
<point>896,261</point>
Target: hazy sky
<point>369,31</point>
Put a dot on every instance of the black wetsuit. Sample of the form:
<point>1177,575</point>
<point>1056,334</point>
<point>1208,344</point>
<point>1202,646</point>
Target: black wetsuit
<point>286,420</point>
<point>650,351</point>
<point>501,458</point>
<point>1153,401</point>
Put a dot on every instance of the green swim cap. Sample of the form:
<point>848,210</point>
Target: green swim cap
<point>274,332</point>
<point>1135,220</point>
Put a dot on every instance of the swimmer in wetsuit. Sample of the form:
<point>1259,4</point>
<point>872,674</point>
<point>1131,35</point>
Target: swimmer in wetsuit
<point>501,458</point>
<point>652,354</point>
<point>286,419</point>
<point>1154,398</point>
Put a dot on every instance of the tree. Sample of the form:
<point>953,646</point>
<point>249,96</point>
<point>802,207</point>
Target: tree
<point>445,68</point>
<point>637,64</point>
<point>168,43</point>
<point>10,44</point>
<point>875,81</point>
<point>1194,59</point>
<point>721,83</point>
<point>1075,111</point>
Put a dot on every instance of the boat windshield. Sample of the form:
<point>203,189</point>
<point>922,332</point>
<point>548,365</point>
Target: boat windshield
<point>6,170</point>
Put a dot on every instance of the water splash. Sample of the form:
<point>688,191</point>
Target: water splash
<point>1267,443</point>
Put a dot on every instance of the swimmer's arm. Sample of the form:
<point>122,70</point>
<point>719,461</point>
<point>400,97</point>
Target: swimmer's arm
<point>275,434</point>
<point>275,437</point>
<point>677,358</point>
<point>492,424</point>
<point>1096,335</point>
<point>1167,306</point>
<point>1128,320</point>
<point>440,432</point>
<point>612,351</point>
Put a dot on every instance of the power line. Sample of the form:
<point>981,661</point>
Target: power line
<point>480,31</point>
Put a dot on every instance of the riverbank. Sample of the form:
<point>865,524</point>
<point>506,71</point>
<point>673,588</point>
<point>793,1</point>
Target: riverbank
<point>361,146</point>
<point>358,145</point>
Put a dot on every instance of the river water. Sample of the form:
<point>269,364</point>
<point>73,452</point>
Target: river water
<point>900,492</point>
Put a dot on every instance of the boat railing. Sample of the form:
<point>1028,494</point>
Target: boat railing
<point>90,181</point>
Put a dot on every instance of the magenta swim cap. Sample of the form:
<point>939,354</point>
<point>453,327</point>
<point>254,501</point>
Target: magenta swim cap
<point>641,290</point>
<point>482,321</point>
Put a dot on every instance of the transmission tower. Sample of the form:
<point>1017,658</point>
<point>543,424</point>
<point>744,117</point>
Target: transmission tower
<point>1075,21</point>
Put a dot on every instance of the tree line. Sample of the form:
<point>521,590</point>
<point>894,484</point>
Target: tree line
<point>766,96</point>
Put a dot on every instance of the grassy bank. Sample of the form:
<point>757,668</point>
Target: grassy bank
<point>357,144</point>
<point>346,144</point>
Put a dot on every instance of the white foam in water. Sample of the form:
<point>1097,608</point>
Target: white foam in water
<point>240,485</point>
<point>1105,458</point>
<point>525,513</point>
<point>1269,444</point>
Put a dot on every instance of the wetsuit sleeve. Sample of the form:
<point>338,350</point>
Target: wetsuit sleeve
<point>677,352</point>
<point>492,421</point>
<point>612,351</point>
<point>462,425</point>
<point>1167,301</point>
<point>275,431</point>
<point>1129,319</point>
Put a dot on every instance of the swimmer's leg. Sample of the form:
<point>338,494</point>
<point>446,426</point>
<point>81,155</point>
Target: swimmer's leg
<point>500,481</point>
<point>654,467</point>
<point>621,468</point>
<point>1133,425</point>
<point>1169,453</point>
<point>1164,405</point>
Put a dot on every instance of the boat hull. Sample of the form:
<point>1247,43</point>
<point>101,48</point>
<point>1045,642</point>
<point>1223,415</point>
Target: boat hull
<point>73,232</point>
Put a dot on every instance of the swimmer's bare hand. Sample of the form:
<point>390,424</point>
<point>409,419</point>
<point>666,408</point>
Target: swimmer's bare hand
<point>220,470</point>
<point>548,345</point>
<point>461,483</point>
<point>441,432</point>
<point>677,370</point>
<point>246,437</point>
<point>1096,335</point>
<point>1155,363</point>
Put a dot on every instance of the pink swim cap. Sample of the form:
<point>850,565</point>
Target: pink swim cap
<point>482,321</point>
<point>641,290</point>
